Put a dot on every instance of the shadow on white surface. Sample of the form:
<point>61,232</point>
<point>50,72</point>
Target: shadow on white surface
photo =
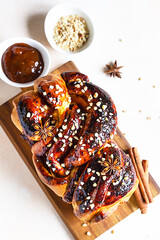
<point>35,26</point>
<point>7,92</point>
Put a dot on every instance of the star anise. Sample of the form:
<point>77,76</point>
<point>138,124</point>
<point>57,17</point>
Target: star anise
<point>42,132</point>
<point>111,165</point>
<point>113,70</point>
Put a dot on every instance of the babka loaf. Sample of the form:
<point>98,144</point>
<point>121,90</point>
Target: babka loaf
<point>70,123</point>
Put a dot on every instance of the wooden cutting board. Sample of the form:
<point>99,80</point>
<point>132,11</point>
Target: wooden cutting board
<point>65,210</point>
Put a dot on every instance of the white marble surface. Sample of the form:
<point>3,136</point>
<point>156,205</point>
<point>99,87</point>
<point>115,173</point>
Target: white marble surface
<point>25,212</point>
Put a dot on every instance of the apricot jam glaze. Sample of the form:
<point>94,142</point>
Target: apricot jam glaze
<point>22,63</point>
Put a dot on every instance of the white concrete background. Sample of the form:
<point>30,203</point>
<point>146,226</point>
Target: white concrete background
<point>25,212</point>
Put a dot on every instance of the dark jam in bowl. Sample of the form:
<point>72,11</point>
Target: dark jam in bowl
<point>22,63</point>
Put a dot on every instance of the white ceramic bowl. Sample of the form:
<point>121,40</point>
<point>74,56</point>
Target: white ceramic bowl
<point>44,52</point>
<point>53,17</point>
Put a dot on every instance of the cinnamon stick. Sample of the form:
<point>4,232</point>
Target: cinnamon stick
<point>142,176</point>
<point>145,167</point>
<point>141,186</point>
<point>140,202</point>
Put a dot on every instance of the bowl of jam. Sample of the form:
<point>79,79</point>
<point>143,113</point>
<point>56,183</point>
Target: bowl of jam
<point>23,60</point>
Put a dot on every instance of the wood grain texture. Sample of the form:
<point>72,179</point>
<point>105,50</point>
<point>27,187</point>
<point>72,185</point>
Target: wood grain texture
<point>65,210</point>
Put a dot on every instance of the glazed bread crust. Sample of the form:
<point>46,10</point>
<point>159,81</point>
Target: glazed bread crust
<point>69,123</point>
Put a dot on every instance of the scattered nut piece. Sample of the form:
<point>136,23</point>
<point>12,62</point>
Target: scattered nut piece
<point>84,224</point>
<point>88,233</point>
<point>139,79</point>
<point>148,118</point>
<point>140,111</point>
<point>120,39</point>
<point>123,111</point>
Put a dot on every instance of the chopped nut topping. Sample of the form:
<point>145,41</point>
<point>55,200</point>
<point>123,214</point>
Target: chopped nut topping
<point>104,107</point>
<point>73,127</point>
<point>63,165</point>
<point>90,98</point>
<point>88,197</point>
<point>98,104</point>
<point>49,145</point>
<point>77,86</point>
<point>67,172</point>
<point>92,205</point>
<point>108,193</point>
<point>104,178</point>
<point>55,139</point>
<point>125,178</point>
<point>94,184</point>
<point>88,170</point>
<point>92,178</point>
<point>96,95</point>
<point>62,149</point>
<point>64,127</point>
<point>60,134</point>
<point>70,139</point>
<point>28,115</point>
<point>76,137</point>
<point>96,134</point>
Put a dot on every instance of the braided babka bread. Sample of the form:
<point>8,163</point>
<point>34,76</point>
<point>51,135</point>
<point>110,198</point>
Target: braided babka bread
<point>70,123</point>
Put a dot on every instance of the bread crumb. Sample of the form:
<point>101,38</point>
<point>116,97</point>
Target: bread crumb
<point>112,231</point>
<point>154,86</point>
<point>139,78</point>
<point>123,111</point>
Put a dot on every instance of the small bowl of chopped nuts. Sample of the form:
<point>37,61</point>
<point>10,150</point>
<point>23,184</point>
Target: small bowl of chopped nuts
<point>68,29</point>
